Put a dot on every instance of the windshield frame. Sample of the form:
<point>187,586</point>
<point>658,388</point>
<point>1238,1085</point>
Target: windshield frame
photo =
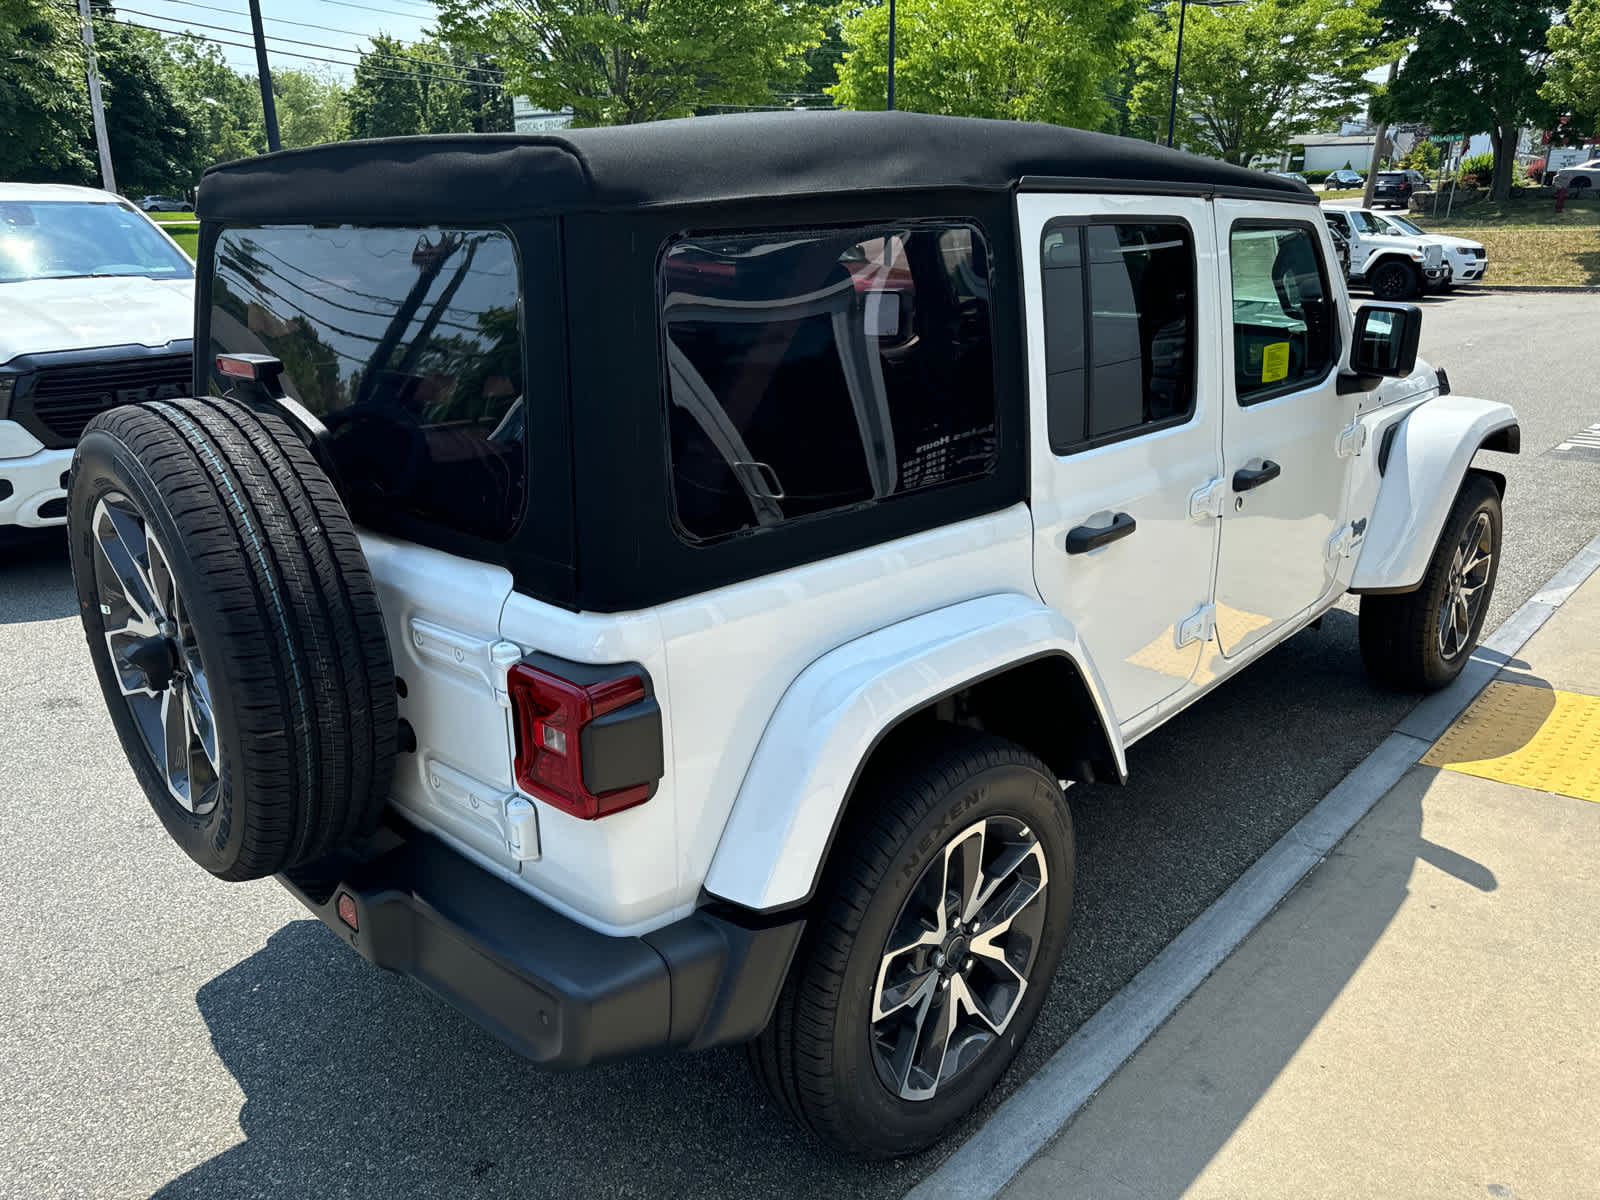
<point>183,267</point>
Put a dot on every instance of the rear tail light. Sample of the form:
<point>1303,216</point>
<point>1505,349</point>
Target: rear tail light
<point>590,749</point>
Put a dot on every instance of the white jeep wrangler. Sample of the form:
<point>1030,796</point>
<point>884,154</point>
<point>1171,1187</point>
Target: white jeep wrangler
<point>650,585</point>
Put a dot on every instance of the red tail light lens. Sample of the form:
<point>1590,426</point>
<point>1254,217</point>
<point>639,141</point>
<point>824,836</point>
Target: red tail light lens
<point>550,713</point>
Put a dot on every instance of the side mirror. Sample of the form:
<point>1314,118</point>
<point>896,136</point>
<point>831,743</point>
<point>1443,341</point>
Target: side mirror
<point>1385,345</point>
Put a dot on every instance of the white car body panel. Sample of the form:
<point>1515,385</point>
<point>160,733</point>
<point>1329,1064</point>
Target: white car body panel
<point>774,690</point>
<point>1432,450</point>
<point>1368,248</point>
<point>829,719</point>
<point>1464,258</point>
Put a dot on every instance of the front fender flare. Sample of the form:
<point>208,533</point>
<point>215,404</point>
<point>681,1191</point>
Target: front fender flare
<point>1430,454</point>
<point>837,709</point>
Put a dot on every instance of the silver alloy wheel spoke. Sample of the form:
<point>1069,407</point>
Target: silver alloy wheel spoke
<point>1464,589</point>
<point>955,968</point>
<point>155,655</point>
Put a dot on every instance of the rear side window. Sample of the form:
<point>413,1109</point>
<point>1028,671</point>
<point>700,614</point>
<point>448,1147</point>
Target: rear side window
<point>811,372</point>
<point>1283,319</point>
<point>1119,330</point>
<point>406,344</point>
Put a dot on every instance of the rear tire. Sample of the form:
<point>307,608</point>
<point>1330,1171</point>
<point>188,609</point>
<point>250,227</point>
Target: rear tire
<point>1421,640</point>
<point>235,631</point>
<point>852,1050</point>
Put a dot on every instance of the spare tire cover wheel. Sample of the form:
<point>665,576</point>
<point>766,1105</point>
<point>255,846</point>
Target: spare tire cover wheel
<point>235,631</point>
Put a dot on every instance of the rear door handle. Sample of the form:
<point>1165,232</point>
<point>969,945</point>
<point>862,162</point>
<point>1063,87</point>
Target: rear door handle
<point>1084,538</point>
<point>1247,478</point>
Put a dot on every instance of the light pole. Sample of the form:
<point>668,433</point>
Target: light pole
<point>1177,58</point>
<point>891,55</point>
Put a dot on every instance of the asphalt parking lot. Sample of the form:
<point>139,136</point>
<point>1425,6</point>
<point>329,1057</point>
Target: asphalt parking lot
<point>165,1034</point>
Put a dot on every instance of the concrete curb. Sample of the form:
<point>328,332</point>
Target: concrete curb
<point>982,1166</point>
<point>1557,288</point>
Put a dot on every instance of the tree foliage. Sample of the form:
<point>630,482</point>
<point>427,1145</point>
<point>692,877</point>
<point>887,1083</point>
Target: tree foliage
<point>1031,60</point>
<point>425,87</point>
<point>1474,65</point>
<point>1258,75</point>
<point>44,103</point>
<point>153,139</point>
<point>619,62</point>
<point>1572,82</point>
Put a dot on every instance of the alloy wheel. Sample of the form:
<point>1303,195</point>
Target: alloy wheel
<point>154,654</point>
<point>1464,589</point>
<point>957,960</point>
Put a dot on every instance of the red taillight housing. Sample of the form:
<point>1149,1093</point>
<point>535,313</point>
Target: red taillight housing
<point>559,722</point>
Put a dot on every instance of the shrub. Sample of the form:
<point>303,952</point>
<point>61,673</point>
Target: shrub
<point>1477,170</point>
<point>1316,176</point>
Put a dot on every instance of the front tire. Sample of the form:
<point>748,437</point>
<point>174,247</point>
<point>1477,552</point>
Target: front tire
<point>922,976</point>
<point>1421,640</point>
<point>1394,281</point>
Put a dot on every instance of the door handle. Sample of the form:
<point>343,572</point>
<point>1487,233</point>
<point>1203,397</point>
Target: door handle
<point>1084,538</point>
<point>1248,478</point>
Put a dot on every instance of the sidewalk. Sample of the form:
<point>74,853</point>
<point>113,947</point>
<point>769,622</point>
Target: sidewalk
<point>1421,1016</point>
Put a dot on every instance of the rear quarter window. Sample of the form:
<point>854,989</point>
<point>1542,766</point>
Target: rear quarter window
<point>406,344</point>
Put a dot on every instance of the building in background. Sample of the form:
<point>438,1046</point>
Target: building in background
<point>528,119</point>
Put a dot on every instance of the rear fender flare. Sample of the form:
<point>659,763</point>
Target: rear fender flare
<point>838,709</point>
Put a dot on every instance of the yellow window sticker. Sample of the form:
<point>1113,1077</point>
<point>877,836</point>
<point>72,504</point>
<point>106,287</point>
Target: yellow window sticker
<point>1274,362</point>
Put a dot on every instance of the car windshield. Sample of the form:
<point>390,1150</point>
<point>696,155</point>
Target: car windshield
<point>66,239</point>
<point>1390,177</point>
<point>1406,226</point>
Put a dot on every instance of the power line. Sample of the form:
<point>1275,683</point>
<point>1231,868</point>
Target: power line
<point>272,37</point>
<point>355,33</point>
<point>378,71</point>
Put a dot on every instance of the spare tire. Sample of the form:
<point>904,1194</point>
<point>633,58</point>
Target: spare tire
<point>235,631</point>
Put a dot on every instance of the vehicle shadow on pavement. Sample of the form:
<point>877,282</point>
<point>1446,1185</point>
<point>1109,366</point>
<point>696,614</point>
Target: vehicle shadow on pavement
<point>35,577</point>
<point>358,1083</point>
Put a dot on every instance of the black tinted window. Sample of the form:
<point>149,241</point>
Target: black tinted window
<point>809,372</point>
<point>1119,329</point>
<point>405,344</point>
<point>1283,320</point>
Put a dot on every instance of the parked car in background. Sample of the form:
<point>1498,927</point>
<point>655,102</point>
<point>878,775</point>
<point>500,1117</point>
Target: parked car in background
<point>163,204</point>
<point>1584,175</point>
<point>1343,178</point>
<point>1395,268</point>
<point>1465,261</point>
<point>96,310</point>
<point>1393,189</point>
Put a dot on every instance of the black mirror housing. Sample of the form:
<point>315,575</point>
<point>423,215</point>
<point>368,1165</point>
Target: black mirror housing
<point>1386,340</point>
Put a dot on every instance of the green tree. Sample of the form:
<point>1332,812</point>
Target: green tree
<point>618,62</point>
<point>1572,83</point>
<point>223,105</point>
<point>311,105</point>
<point>387,97</point>
<point>426,87</point>
<point>44,103</point>
<point>1424,156</point>
<point>1258,75</point>
<point>154,140</point>
<point>1029,60</point>
<point>1475,66</point>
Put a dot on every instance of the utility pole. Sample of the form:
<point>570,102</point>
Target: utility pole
<point>1177,64</point>
<point>108,179</point>
<point>269,110</point>
<point>891,55</point>
<point>1377,146</point>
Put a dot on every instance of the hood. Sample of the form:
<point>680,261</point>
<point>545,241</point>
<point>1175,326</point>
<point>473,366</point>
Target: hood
<point>40,316</point>
<point>1455,243</point>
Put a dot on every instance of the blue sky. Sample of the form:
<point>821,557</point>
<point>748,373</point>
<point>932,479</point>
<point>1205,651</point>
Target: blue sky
<point>340,29</point>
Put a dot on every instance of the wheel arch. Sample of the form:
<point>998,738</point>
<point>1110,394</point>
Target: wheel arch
<point>984,664</point>
<point>1431,451</point>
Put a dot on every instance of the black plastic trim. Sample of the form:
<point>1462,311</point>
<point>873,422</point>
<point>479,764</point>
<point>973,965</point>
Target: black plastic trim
<point>1387,445</point>
<point>26,368</point>
<point>1507,439</point>
<point>557,992</point>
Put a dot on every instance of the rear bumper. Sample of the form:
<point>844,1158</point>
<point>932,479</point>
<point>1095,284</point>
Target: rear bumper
<point>555,991</point>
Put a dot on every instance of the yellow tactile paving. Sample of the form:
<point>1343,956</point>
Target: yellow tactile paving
<point>1533,737</point>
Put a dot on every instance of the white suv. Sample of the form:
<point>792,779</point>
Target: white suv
<point>649,585</point>
<point>1394,266</point>
<point>96,310</point>
<point>1465,261</point>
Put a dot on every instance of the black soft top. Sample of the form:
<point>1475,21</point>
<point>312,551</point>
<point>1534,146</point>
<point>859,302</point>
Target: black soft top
<point>460,178</point>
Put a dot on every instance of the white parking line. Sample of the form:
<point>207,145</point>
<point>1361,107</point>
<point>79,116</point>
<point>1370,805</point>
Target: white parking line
<point>1036,1112</point>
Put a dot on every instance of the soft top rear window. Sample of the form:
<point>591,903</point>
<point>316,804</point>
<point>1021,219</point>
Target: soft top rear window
<point>406,344</point>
